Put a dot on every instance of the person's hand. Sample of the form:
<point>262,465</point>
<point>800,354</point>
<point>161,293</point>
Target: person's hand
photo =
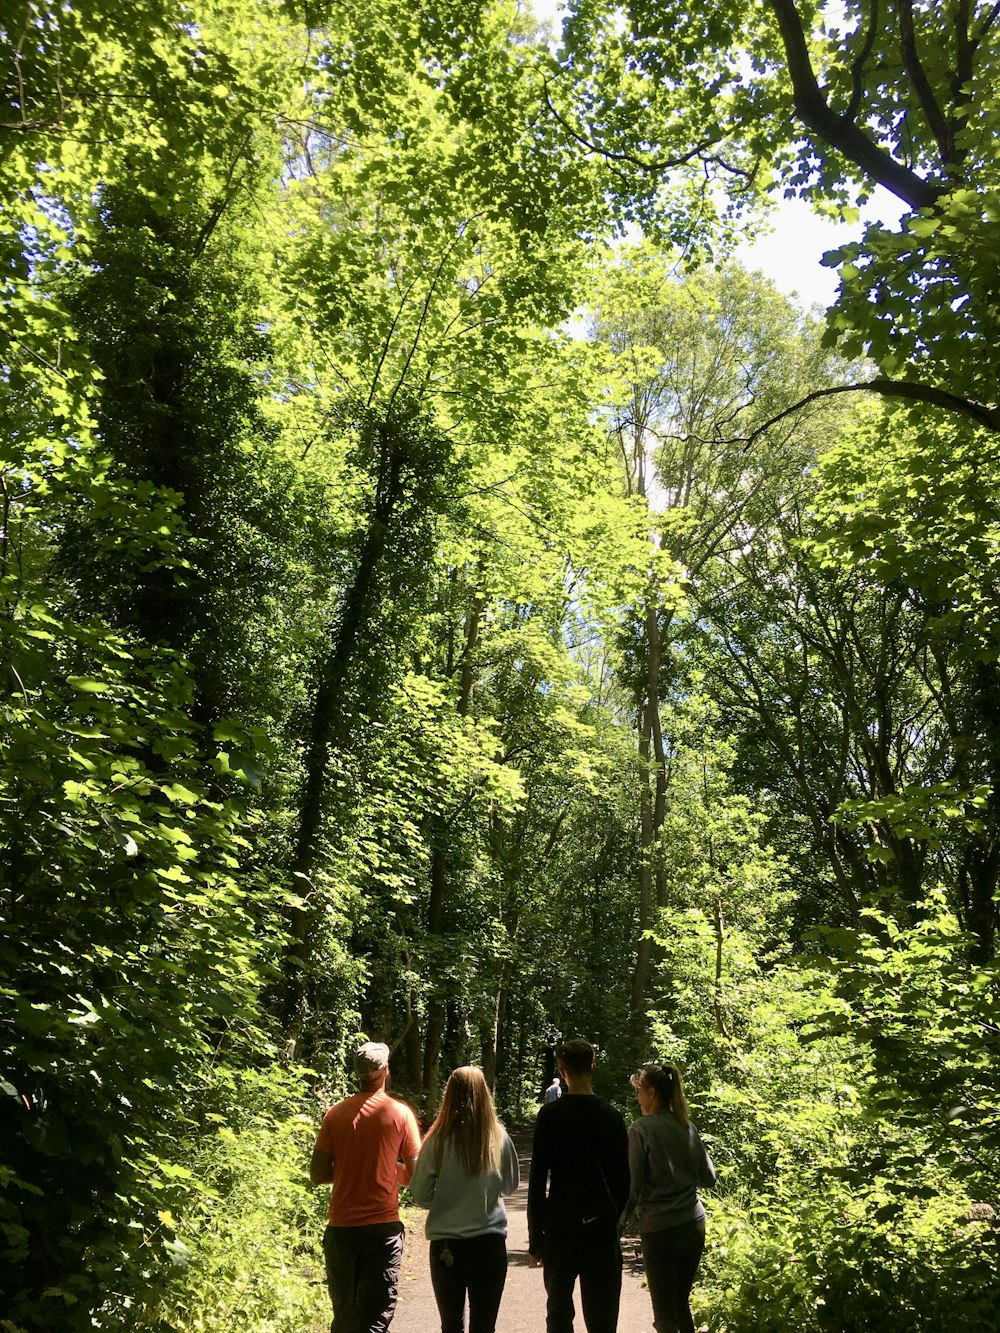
<point>536,1259</point>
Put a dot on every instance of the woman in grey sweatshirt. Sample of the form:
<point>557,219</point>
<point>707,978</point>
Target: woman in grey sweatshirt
<point>667,1164</point>
<point>466,1163</point>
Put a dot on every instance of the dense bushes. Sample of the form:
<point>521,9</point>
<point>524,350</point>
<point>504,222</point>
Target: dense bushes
<point>849,1108</point>
<point>247,1255</point>
<point>834,1259</point>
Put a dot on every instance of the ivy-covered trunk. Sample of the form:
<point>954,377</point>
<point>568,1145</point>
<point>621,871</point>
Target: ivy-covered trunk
<point>407,463</point>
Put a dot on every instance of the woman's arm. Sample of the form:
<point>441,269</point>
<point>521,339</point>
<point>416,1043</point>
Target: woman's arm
<point>425,1175</point>
<point>510,1168</point>
<point>638,1169</point>
<point>705,1167</point>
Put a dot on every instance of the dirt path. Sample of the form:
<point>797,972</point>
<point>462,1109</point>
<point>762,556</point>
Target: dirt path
<point>523,1306</point>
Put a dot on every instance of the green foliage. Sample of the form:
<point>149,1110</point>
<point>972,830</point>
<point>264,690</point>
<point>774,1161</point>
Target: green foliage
<point>926,516</point>
<point>928,1021</point>
<point>121,884</point>
<point>135,936</point>
<point>656,95</point>
<point>537,684</point>
<point>922,524</point>
<point>247,1254</point>
<point>755,98</point>
<point>840,1260</point>
<point>850,1111</point>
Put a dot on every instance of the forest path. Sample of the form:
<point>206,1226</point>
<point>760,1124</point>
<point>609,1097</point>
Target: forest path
<point>522,1309</point>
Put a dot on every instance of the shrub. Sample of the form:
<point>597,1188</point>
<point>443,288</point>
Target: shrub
<point>833,1261</point>
<point>246,1253</point>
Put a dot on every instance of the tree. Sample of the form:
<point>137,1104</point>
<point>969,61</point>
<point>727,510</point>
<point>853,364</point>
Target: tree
<point>684,104</point>
<point>411,286</point>
<point>819,672</point>
<point>692,363</point>
<point>134,930</point>
<point>925,527</point>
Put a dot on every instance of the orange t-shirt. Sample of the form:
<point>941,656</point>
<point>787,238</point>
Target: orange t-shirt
<point>365,1135</point>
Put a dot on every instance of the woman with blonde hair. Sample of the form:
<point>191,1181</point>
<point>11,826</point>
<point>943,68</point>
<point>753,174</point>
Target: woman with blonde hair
<point>466,1163</point>
<point>667,1163</point>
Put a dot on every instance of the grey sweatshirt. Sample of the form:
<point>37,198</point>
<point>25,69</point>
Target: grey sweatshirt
<point>462,1205</point>
<point>667,1162</point>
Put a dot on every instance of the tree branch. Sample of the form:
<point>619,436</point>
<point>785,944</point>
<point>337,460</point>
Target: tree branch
<point>986,24</point>
<point>227,194</point>
<point>858,64</point>
<point>49,365</point>
<point>839,131</point>
<point>981,413</point>
<point>425,310</point>
<point>936,120</point>
<point>657,164</point>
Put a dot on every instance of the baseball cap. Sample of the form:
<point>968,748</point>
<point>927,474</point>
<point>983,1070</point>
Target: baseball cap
<point>371,1057</point>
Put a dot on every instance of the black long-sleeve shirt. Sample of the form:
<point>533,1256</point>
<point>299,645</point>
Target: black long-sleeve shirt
<point>579,1166</point>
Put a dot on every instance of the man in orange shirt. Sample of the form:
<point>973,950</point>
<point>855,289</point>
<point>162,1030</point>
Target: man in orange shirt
<point>366,1146</point>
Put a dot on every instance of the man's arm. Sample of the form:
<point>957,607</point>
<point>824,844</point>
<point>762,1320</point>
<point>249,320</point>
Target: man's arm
<point>320,1167</point>
<point>537,1182</point>
<point>409,1150</point>
<point>619,1182</point>
<point>404,1170</point>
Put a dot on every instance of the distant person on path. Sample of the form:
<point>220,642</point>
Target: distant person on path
<point>467,1162</point>
<point>367,1146</point>
<point>554,1091</point>
<point>577,1188</point>
<point>667,1162</point>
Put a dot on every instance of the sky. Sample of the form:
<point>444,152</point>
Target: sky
<point>792,252</point>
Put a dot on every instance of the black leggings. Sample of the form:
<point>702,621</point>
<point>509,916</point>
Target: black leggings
<point>479,1270</point>
<point>671,1258</point>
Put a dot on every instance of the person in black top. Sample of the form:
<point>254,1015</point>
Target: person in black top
<point>577,1187</point>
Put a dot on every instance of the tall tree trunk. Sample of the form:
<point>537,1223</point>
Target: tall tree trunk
<point>433,1036</point>
<point>333,720</point>
<point>440,868</point>
<point>505,1084</point>
<point>412,1049</point>
<point>643,953</point>
<point>652,812</point>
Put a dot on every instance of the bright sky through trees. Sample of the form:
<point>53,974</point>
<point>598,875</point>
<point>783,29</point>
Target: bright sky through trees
<point>791,251</point>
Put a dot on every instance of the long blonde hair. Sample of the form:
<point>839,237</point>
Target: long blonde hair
<point>468,1121</point>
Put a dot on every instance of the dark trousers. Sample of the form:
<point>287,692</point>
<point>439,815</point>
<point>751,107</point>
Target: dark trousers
<point>362,1275</point>
<point>671,1258</point>
<point>478,1269</point>
<point>593,1255</point>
